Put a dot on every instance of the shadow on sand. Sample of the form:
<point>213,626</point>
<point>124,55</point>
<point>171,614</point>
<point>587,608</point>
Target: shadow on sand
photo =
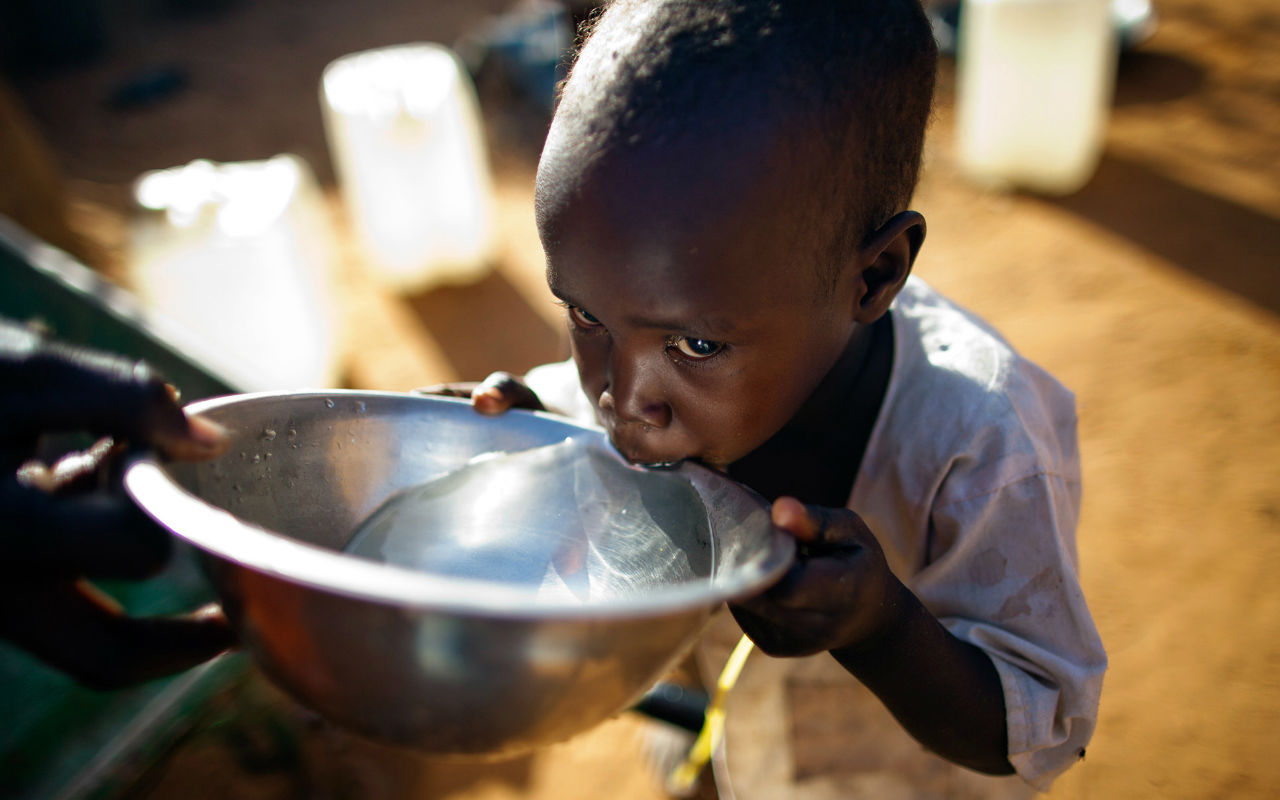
<point>1229,245</point>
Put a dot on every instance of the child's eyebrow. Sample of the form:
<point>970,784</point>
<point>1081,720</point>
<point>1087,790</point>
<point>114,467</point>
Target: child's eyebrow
<point>711,327</point>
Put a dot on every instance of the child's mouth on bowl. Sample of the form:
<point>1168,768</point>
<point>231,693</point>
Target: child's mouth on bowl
<point>661,463</point>
<point>632,442</point>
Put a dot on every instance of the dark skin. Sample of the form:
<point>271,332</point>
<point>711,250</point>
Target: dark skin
<point>68,522</point>
<point>700,334</point>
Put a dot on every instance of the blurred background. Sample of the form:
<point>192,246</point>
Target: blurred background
<point>222,160</point>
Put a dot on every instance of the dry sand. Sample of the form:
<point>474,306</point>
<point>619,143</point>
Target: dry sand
<point>1154,293</point>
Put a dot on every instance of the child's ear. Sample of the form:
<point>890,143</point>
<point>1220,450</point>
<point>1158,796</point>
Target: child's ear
<point>885,262</point>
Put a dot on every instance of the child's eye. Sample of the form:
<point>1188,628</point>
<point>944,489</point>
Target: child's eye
<point>582,318</point>
<point>696,349</point>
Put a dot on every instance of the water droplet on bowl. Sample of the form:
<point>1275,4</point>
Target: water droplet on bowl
<point>328,403</point>
<point>268,434</point>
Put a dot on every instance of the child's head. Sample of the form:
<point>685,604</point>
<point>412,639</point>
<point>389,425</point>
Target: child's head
<point>720,201</point>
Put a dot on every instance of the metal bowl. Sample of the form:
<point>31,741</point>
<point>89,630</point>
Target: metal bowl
<point>442,660</point>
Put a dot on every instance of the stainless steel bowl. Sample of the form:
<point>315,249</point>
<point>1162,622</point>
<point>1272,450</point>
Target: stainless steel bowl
<point>444,662</point>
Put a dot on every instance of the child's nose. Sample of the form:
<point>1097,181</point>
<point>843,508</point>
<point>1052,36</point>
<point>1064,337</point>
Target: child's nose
<point>633,392</point>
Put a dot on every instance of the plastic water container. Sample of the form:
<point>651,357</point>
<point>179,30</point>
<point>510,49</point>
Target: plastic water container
<point>242,256</point>
<point>1034,82</point>
<point>404,132</point>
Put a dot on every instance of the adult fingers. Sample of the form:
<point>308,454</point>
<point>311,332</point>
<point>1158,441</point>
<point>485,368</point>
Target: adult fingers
<point>73,627</point>
<point>203,440</point>
<point>51,387</point>
<point>501,391</point>
<point>99,534</point>
<point>74,472</point>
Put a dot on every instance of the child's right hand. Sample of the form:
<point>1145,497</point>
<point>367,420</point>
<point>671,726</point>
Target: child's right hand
<point>839,593</point>
<point>494,395</point>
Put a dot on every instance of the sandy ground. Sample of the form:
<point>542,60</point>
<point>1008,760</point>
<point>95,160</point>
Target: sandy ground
<point>1154,293</point>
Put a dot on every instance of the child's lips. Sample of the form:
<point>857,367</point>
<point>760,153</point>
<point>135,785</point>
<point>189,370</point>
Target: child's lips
<point>661,464</point>
<point>658,448</point>
<point>631,443</point>
<point>650,459</point>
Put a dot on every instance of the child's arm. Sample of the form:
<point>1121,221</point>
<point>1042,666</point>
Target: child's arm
<point>842,597</point>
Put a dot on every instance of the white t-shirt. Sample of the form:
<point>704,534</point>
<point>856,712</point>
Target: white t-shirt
<point>971,484</point>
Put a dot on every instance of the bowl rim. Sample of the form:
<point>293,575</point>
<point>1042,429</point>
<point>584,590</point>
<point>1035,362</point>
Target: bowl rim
<point>224,536</point>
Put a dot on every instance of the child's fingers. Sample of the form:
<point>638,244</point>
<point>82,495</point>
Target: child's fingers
<point>460,389</point>
<point>818,525</point>
<point>497,393</point>
<point>73,627</point>
<point>490,400</point>
<point>501,391</point>
<point>792,516</point>
<point>811,585</point>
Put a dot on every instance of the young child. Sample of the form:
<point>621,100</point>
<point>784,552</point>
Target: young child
<point>722,199</point>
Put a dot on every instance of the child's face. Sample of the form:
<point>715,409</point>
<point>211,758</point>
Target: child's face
<point>695,308</point>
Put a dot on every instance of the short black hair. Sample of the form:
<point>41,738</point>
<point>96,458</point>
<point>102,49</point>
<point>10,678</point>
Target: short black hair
<point>858,75</point>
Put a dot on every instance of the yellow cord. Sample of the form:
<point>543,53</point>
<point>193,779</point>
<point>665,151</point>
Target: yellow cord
<point>686,772</point>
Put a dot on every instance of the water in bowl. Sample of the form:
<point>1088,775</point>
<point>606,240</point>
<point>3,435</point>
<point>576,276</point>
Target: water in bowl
<point>568,521</point>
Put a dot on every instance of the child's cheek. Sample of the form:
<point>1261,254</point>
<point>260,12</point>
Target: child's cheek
<point>591,357</point>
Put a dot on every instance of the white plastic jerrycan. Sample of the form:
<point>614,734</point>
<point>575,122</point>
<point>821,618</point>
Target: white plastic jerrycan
<point>407,143</point>
<point>1034,83</point>
<point>242,255</point>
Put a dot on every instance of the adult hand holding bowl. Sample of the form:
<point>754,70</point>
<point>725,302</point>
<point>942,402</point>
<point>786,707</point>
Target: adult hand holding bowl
<point>65,523</point>
<point>535,605</point>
